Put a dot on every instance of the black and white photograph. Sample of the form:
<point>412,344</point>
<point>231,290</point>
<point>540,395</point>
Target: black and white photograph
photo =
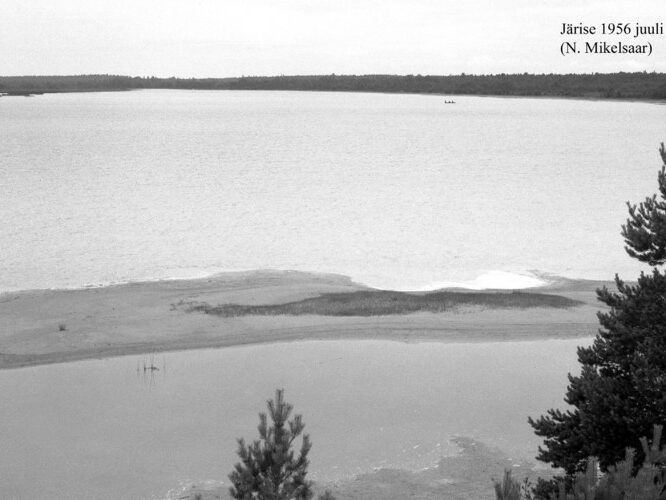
<point>332,250</point>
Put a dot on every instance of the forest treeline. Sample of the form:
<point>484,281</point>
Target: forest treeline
<point>598,85</point>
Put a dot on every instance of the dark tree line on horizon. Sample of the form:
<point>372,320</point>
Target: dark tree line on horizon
<point>596,85</point>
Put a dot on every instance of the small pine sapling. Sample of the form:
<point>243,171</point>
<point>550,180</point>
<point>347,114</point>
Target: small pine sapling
<point>269,469</point>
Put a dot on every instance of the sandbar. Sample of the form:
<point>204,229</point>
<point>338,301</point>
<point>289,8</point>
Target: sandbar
<point>54,326</point>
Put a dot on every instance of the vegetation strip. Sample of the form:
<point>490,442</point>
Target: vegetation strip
<point>640,85</point>
<point>380,303</point>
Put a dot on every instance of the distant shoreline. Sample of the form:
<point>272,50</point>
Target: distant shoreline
<point>55,326</point>
<point>641,86</point>
<point>658,101</point>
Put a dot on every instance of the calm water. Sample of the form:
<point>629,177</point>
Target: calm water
<point>395,190</point>
<point>98,429</point>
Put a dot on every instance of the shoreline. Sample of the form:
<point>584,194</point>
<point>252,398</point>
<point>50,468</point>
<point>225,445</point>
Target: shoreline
<point>55,326</point>
<point>466,474</point>
<point>533,280</point>
<point>646,100</point>
<point>16,362</point>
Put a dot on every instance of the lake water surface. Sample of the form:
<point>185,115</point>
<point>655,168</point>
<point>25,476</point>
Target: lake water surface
<point>101,429</point>
<point>399,191</point>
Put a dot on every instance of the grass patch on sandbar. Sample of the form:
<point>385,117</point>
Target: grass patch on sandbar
<point>381,303</point>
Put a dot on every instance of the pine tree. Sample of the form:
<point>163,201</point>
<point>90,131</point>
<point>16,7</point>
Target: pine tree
<point>621,391</point>
<point>645,230</point>
<point>268,469</point>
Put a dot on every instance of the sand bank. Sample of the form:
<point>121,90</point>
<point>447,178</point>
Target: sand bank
<point>52,326</point>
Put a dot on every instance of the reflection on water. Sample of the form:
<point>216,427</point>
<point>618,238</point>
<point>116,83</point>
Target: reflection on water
<point>149,371</point>
<point>88,430</point>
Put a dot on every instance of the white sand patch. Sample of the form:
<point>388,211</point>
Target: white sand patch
<point>496,280</point>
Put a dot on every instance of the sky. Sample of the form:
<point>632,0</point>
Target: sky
<point>219,38</point>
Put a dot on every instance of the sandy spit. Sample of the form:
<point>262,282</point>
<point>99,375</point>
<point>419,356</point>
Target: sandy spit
<point>54,326</point>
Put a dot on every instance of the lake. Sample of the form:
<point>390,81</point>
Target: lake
<point>102,429</point>
<point>396,191</point>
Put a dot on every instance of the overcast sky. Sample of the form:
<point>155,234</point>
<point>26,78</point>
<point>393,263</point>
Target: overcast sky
<point>266,37</point>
